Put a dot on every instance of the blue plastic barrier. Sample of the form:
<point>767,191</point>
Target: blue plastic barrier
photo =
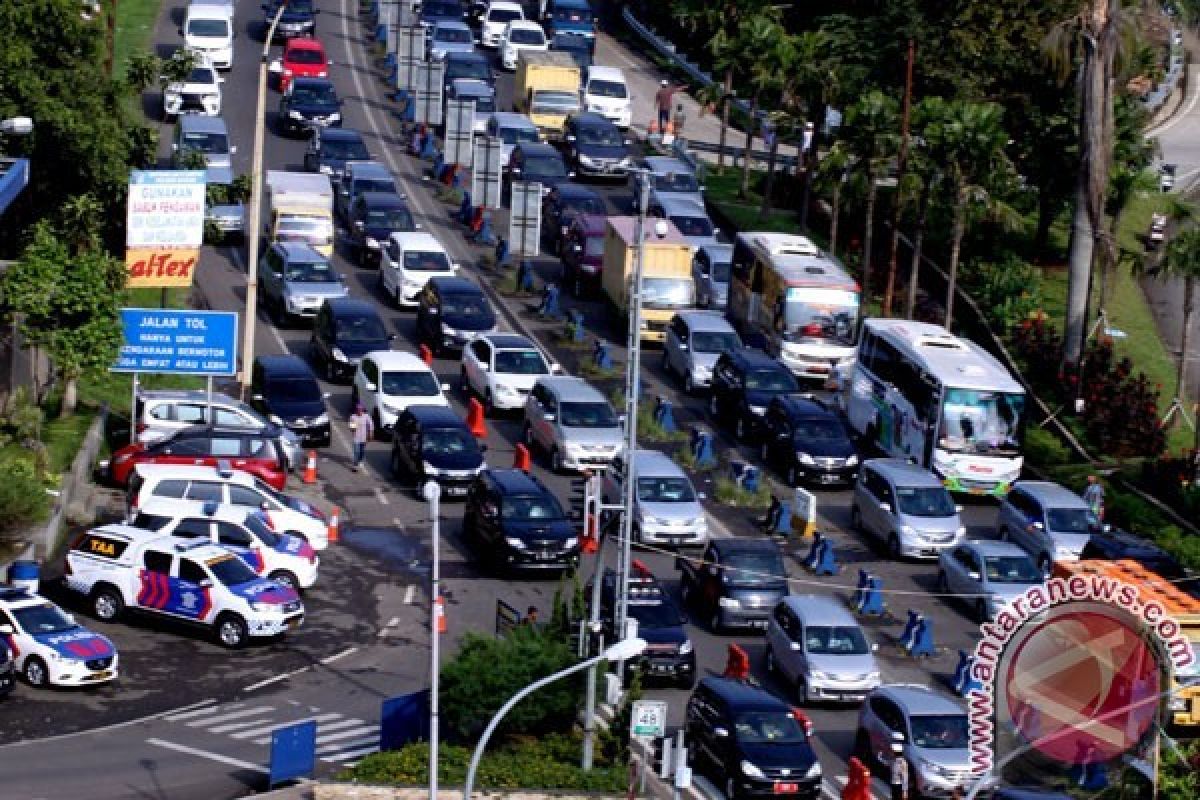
<point>601,357</point>
<point>502,252</point>
<point>550,306</point>
<point>918,636</point>
<point>779,517</point>
<point>860,589</point>
<point>485,235</point>
<point>577,329</point>
<point>428,151</point>
<point>744,475</point>
<point>664,415</point>
<point>438,163</point>
<point>872,604</point>
<point>826,561</point>
<point>962,681</point>
<point>814,552</point>
<point>702,448</point>
<point>908,636</point>
<point>524,275</point>
<point>465,212</point>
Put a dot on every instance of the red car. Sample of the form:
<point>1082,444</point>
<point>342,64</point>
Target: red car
<point>257,452</point>
<point>303,57</point>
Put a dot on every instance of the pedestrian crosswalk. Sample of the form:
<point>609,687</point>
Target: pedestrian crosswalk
<point>341,739</point>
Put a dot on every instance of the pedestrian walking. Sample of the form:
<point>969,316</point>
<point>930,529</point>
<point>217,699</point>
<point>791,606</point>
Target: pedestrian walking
<point>899,774</point>
<point>531,617</point>
<point>662,101</point>
<point>1093,495</point>
<point>362,428</point>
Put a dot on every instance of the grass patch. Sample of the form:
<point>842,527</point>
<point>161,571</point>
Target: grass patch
<point>588,369</point>
<point>721,190</point>
<point>135,28</point>
<point>651,431</point>
<point>729,493</point>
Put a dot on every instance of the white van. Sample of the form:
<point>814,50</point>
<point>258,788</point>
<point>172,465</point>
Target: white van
<point>606,93</point>
<point>208,29</point>
<point>408,261</point>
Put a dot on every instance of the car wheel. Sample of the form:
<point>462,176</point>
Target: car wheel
<point>527,436</point>
<point>713,407</point>
<point>556,462</point>
<point>463,382</point>
<point>688,682</point>
<point>862,745</point>
<point>1005,536</point>
<point>379,432</point>
<point>353,397</point>
<point>856,518</point>
<point>714,622</point>
<point>282,576</point>
<point>106,605</point>
<point>893,545</point>
<point>981,611</point>
<point>330,372</point>
<point>231,631</point>
<point>685,593</point>
<point>666,363</point>
<point>689,386</point>
<point>35,672</point>
<point>489,404</point>
<point>395,463</point>
<point>793,476</point>
<point>943,584</point>
<point>740,430</point>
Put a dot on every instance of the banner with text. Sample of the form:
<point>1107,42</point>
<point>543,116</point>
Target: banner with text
<point>180,342</point>
<point>165,227</point>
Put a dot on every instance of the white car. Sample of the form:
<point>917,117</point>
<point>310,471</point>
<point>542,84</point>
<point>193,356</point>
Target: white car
<point>520,35</point>
<point>499,13</point>
<point>501,368</point>
<point>606,92</point>
<point>208,29</point>
<point>387,382</point>
<point>199,94</point>
<point>49,647</point>
<point>408,261</point>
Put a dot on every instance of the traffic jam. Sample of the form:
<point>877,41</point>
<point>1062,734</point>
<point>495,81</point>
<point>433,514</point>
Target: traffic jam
<point>390,347</point>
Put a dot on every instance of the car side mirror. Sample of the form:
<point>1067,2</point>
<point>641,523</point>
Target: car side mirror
<point>550,418</point>
<point>795,646</point>
<point>721,733</point>
<point>897,736</point>
<point>683,346</point>
<point>958,509</point>
<point>175,146</point>
<point>1037,526</point>
<point>485,367</point>
<point>570,137</point>
<point>874,647</point>
<point>359,225</point>
<point>445,387</point>
<point>257,397</point>
<point>370,387</point>
<point>701,496</point>
<point>206,584</point>
<point>329,62</point>
<point>716,231</point>
<point>973,575</point>
<point>885,508</point>
<point>571,174</point>
<point>326,395</point>
<point>628,142</point>
<point>233,149</point>
<point>432,310</point>
<point>391,337</point>
<point>515,170</point>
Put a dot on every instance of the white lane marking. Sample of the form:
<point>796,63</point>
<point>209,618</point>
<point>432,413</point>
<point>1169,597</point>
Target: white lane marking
<point>381,497</point>
<point>194,710</point>
<point>341,746</point>
<point>360,731</point>
<point>276,679</point>
<point>274,726</point>
<point>1179,116</point>
<point>245,712</point>
<point>234,726</point>
<point>410,594</point>
<point>351,754</point>
<point>339,656</point>
<point>194,751</point>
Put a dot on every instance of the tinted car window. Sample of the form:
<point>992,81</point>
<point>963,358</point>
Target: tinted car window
<point>360,329</point>
<point>531,507</point>
<point>170,488</point>
<point>939,731</point>
<point>768,727</point>
<point>204,491</point>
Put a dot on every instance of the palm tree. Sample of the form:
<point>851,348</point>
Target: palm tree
<point>870,129</point>
<point>760,33</point>
<point>831,174</point>
<point>1182,261</point>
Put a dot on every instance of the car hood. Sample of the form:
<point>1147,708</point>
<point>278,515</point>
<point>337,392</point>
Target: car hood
<point>193,88</point>
<point>671,634</point>
<point>468,460</point>
<point>949,524</point>
<point>607,151</point>
<point>957,759</point>
<point>539,529</point>
<point>217,169</point>
<point>358,349</point>
<point>291,410</point>
<point>758,397</point>
<point>1075,542</point>
<point>676,512</point>
<point>294,546</point>
<point>316,289</point>
<point>314,109</point>
<point>76,643</point>
<point>265,591</point>
<point>474,322</point>
<point>844,664</point>
<point>797,757</point>
<point>525,382</point>
<point>1007,592</point>
<point>606,436</point>
<point>826,448</point>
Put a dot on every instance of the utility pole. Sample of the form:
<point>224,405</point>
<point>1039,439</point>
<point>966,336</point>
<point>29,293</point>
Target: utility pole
<point>433,494</point>
<point>901,166</point>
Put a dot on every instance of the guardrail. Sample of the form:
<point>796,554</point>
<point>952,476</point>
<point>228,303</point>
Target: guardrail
<point>1155,99</point>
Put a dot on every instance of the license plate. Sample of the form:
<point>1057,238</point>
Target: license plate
<point>829,479</point>
<point>456,490</point>
<point>759,623</point>
<point>787,788</point>
<point>545,556</point>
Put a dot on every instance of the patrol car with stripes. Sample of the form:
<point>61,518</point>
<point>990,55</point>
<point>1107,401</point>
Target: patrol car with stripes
<point>49,648</point>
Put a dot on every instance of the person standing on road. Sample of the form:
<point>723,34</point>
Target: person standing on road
<point>662,102</point>
<point>1093,495</point>
<point>362,427</point>
<point>899,773</point>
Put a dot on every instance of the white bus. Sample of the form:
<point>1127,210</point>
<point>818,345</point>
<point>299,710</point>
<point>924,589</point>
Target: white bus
<point>919,392</point>
<point>799,300</point>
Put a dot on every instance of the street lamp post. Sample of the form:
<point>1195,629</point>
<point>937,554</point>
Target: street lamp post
<point>622,650</point>
<point>260,121</point>
<point>433,493</point>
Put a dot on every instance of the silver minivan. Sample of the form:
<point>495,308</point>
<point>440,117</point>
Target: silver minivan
<point>907,507</point>
<point>573,422</point>
<point>818,647</point>
<point>666,507</point>
<point>694,342</point>
<point>931,729</point>
<point>1048,521</point>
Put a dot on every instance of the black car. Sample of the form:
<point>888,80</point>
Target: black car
<point>299,18</point>
<point>535,162</point>
<point>285,390</point>
<point>751,743</point>
<point>513,521</point>
<point>669,654</point>
<point>595,146</point>
<point>8,669</point>
<point>452,311</point>
<point>345,330</point>
<point>373,217</point>
<point>580,48</point>
<point>433,443</point>
<point>467,65</point>
<point>330,149</point>
<point>308,104</point>
<point>806,441</point>
<point>744,382</point>
<point>560,205</point>
<point>433,11</point>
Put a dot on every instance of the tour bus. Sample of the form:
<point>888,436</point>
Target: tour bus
<point>919,392</point>
<point>801,301</point>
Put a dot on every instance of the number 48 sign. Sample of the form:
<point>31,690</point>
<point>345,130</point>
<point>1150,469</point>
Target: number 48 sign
<point>649,718</point>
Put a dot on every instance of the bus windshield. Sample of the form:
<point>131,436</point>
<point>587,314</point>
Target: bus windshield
<point>668,292</point>
<point>814,313</point>
<point>977,421</point>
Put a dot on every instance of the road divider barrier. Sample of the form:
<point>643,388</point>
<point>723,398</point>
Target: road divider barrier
<point>664,415</point>
<point>334,529</point>
<point>917,638</point>
<point>550,307</point>
<point>744,475</point>
<point>868,596</point>
<point>821,559</point>
<point>601,357</point>
<point>701,445</point>
<point>575,329</point>
<point>962,682</point>
<point>475,419</point>
<point>521,458</point>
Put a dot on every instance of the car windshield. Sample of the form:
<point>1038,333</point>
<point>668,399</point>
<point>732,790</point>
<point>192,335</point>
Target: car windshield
<point>256,525</point>
<point>583,204</point>
<point>426,261</point>
<point>720,271</point>
<point>465,305</point>
<point>456,35</point>
<point>202,75</point>
<point>607,89</point>
<point>467,69</point>
<point>768,727</point>
<point>295,7</point>
<point>676,182</point>
<point>360,329</point>
<point>755,568</point>
<point>924,501</point>
<point>527,36</point>
<point>502,15</point>
<point>665,490</point>
<point>305,55</point>
<point>520,362</point>
<point>700,227</point>
<point>314,96</point>
<point>208,27</point>
<point>309,272</point>
<point>421,383</point>
<point>714,341</point>
<point>345,149</point>
<point>433,9</point>
<point>42,618</point>
<point>1069,520</point>
<point>231,571</point>
<point>206,142</point>
<point>293,389</point>
<point>656,615</point>
<point>544,167</point>
<point>668,292</point>
<point>529,507</point>
<point>600,136</point>
<point>373,185</point>
<point>820,430</point>
<point>587,415</point>
<point>981,421</point>
<point>551,102</point>
<point>811,312</point>
<point>939,731</point>
<point>447,442</point>
<point>835,640</point>
<point>518,135</point>
<point>391,219</point>
<point>1012,569</point>
<point>770,380</point>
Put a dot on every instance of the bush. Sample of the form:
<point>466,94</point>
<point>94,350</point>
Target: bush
<point>730,493</point>
<point>1044,448</point>
<point>1007,292</point>
<point>1172,480</point>
<point>23,499</point>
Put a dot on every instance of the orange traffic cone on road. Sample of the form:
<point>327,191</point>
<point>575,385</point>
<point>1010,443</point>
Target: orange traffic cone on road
<point>738,665</point>
<point>521,459</point>
<point>334,529</point>
<point>426,355</point>
<point>439,606</point>
<point>475,419</point>
<point>310,467</point>
<point>589,544</point>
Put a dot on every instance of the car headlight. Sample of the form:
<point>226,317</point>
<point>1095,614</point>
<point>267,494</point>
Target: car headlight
<point>371,242</point>
<point>325,169</point>
<point>321,419</point>
<point>509,390</point>
<point>852,461</point>
<point>751,771</point>
<point>1178,704</point>
<point>430,469</point>
<point>295,115</point>
<point>937,769</point>
<point>814,771</point>
<point>686,647</point>
<point>587,160</point>
<point>729,602</point>
<point>962,531</point>
<point>275,418</point>
<point>338,355</point>
<point>411,284</point>
<point>335,116</point>
<point>262,608</point>
<point>758,410</point>
<point>806,459</point>
<point>570,542</point>
<point>514,543</point>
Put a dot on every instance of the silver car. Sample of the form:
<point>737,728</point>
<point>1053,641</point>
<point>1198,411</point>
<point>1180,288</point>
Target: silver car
<point>295,280</point>
<point>511,129</point>
<point>907,507</point>
<point>695,340</point>
<point>573,422</point>
<point>932,731</point>
<point>690,216</point>
<point>818,647</point>
<point>208,136</point>
<point>669,177</point>
<point>448,36</point>
<point>1050,522</point>
<point>666,507</point>
<point>987,575</point>
<point>711,269</point>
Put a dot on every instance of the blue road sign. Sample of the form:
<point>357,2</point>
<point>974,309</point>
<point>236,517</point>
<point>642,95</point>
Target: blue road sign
<point>404,719</point>
<point>293,752</point>
<point>178,341</point>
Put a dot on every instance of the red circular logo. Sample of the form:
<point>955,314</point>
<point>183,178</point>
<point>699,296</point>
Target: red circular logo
<point>1082,686</point>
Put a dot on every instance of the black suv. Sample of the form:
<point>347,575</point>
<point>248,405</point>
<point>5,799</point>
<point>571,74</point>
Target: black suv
<point>372,218</point>
<point>467,65</point>
<point>515,522</point>
<point>595,146</point>
<point>299,18</point>
<point>743,384</point>
<point>750,742</point>
<point>285,390</point>
<point>345,330</point>
<point>562,204</point>
<point>806,441</point>
<point>331,148</point>
<point>669,653</point>
<point>535,162</point>
<point>451,312</point>
<point>308,104</point>
<point>433,443</point>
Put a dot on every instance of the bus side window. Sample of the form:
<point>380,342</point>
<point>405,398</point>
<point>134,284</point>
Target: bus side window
<point>743,259</point>
<point>866,351</point>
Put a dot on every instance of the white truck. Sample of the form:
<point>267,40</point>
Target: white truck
<point>300,209</point>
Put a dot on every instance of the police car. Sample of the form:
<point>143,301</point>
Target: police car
<point>193,581</point>
<point>48,646</point>
<point>286,559</point>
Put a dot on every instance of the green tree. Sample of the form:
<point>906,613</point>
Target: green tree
<point>759,33</point>
<point>1182,261</point>
<point>921,182</point>
<point>871,132</point>
<point>831,175</point>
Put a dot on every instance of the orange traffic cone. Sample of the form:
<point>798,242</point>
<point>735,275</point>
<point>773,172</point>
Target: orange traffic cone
<point>475,419</point>
<point>521,459</point>
<point>738,665</point>
<point>426,354</point>
<point>439,609</point>
<point>334,529</point>
<point>310,468</point>
<point>589,544</point>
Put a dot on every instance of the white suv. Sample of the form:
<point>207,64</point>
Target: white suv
<point>520,35</point>
<point>497,16</point>
<point>200,93</point>
<point>605,92</point>
<point>387,382</point>
<point>407,263</point>
<point>502,368</point>
<point>208,29</point>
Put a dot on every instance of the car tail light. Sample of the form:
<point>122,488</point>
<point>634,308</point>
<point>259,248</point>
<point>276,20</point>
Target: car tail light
<point>804,721</point>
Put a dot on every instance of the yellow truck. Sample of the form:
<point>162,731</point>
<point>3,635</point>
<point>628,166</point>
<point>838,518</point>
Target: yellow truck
<point>300,209</point>
<point>547,89</point>
<point>667,285</point>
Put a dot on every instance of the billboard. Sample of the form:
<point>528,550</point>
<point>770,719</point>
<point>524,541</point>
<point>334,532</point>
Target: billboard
<point>164,227</point>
